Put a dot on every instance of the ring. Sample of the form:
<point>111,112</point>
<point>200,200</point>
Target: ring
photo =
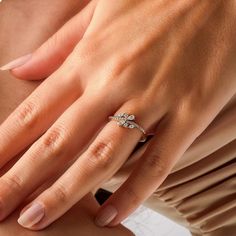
<point>127,121</point>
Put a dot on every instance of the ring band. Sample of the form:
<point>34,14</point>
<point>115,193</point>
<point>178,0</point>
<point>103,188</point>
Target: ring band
<point>127,121</point>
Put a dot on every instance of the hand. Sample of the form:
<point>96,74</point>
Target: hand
<point>171,65</point>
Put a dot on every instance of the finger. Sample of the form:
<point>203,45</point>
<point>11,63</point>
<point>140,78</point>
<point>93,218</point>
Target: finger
<point>53,152</point>
<point>39,111</point>
<point>172,139</point>
<point>45,60</point>
<point>123,173</point>
<point>101,160</point>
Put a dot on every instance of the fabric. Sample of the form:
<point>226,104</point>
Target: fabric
<point>200,192</point>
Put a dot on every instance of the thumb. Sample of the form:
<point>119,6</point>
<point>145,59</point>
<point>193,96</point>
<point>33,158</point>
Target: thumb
<point>48,57</point>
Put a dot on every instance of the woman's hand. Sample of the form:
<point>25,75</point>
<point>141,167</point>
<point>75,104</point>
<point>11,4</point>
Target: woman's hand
<point>171,63</point>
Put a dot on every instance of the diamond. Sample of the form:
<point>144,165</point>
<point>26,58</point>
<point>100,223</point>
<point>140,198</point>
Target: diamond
<point>125,115</point>
<point>131,117</point>
<point>125,124</point>
<point>121,122</point>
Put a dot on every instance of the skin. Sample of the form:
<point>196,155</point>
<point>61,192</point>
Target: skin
<point>79,219</point>
<point>172,65</point>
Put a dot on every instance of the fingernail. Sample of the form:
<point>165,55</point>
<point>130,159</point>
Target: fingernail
<point>16,63</point>
<point>31,216</point>
<point>106,216</point>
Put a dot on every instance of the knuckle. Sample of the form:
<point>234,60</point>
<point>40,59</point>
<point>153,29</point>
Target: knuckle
<point>155,165</point>
<point>55,140</point>
<point>132,196</point>
<point>186,113</point>
<point>27,114</point>
<point>86,49</point>
<point>117,66</point>
<point>60,193</point>
<point>100,154</point>
<point>12,182</point>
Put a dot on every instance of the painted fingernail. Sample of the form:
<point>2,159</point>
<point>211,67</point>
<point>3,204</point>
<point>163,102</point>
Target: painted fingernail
<point>16,63</point>
<point>31,216</point>
<point>106,216</point>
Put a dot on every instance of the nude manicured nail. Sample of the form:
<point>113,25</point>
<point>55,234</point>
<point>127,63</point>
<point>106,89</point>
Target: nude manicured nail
<point>31,216</point>
<point>16,63</point>
<point>106,216</point>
